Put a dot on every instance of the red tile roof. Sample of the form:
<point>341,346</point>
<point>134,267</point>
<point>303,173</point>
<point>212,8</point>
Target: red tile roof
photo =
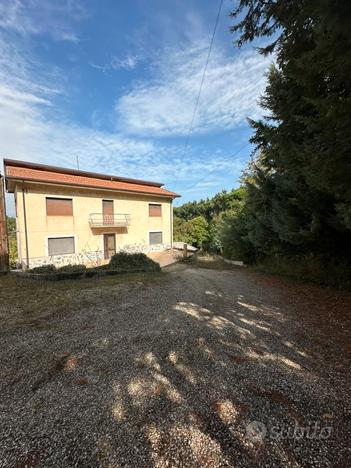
<point>19,170</point>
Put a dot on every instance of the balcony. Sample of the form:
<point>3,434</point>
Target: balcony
<point>98,220</point>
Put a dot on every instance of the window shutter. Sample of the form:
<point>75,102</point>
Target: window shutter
<point>60,245</point>
<point>155,238</point>
<point>155,209</point>
<point>59,207</point>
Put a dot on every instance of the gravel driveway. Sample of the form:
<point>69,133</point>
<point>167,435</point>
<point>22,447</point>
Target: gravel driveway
<point>198,368</point>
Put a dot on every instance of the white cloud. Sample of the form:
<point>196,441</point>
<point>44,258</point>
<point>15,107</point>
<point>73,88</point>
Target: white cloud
<point>68,36</point>
<point>127,63</point>
<point>164,105</point>
<point>30,128</point>
<point>31,17</point>
<point>29,131</point>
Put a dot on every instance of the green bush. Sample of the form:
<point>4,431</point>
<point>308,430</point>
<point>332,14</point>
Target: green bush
<point>44,269</point>
<point>72,269</point>
<point>129,261</point>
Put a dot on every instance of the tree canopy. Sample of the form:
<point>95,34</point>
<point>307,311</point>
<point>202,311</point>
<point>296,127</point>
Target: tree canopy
<point>200,222</point>
<point>299,180</point>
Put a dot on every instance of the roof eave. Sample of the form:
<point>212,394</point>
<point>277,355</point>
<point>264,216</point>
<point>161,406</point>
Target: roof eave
<point>96,187</point>
<point>62,170</point>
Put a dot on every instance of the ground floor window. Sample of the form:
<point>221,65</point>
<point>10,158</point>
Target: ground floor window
<point>155,237</point>
<point>60,245</point>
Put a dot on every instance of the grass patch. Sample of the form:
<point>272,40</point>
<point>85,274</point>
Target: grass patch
<point>35,297</point>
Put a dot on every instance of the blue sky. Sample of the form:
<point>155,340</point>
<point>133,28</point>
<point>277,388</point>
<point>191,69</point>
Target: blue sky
<point>115,83</point>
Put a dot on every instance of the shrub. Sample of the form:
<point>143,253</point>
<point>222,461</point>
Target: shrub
<point>129,261</point>
<point>44,269</point>
<point>72,269</point>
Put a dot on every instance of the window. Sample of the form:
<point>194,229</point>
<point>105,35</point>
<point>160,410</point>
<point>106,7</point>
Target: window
<point>155,209</point>
<point>59,207</point>
<point>60,245</point>
<point>155,238</point>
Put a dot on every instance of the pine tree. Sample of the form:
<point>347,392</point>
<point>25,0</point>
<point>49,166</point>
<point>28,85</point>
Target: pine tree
<point>299,183</point>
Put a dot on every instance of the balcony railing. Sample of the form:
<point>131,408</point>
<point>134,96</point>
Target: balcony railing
<point>115,220</point>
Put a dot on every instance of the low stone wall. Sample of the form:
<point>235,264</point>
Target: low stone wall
<point>94,258</point>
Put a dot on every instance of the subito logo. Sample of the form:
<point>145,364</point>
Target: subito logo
<point>256,431</point>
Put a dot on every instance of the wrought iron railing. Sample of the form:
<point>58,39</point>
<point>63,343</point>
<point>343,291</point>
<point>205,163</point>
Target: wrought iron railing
<point>103,220</point>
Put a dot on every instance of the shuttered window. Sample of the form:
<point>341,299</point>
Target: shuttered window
<point>155,238</point>
<point>59,207</point>
<point>155,209</point>
<point>61,245</point>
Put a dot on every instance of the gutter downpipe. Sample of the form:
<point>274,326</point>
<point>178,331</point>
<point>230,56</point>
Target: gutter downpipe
<point>25,224</point>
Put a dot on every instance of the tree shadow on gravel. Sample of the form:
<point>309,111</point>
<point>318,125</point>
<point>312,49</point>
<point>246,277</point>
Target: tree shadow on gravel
<point>217,369</point>
<point>176,380</point>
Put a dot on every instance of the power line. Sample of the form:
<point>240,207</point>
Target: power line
<point>214,170</point>
<point>200,88</point>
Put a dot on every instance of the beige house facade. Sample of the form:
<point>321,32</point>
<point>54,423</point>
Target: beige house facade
<point>66,216</point>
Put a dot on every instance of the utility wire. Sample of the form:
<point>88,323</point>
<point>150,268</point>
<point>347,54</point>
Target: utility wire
<point>191,128</point>
<point>215,169</point>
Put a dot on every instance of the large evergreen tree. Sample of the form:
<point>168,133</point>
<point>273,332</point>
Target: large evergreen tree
<point>299,183</point>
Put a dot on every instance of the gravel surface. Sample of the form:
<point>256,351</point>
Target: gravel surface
<point>200,368</point>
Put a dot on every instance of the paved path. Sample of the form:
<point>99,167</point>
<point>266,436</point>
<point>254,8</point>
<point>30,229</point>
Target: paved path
<point>167,257</point>
<point>173,373</point>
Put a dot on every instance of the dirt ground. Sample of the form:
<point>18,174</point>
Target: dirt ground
<point>193,367</point>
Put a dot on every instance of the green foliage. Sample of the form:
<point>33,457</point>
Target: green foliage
<point>235,240</point>
<point>194,232</point>
<point>12,239</point>
<point>299,182</point>
<point>200,223</point>
<point>135,261</point>
<point>44,270</point>
<point>72,269</point>
<point>211,207</point>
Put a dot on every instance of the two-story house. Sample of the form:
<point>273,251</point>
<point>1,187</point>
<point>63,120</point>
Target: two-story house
<point>70,216</point>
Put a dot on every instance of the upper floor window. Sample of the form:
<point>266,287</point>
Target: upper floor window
<point>59,206</point>
<point>155,209</point>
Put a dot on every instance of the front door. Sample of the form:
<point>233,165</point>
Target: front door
<point>109,245</point>
<point>107,212</point>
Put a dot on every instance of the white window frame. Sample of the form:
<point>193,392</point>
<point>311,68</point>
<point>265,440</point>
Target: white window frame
<point>154,230</point>
<point>55,236</point>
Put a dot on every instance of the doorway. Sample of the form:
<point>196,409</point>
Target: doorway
<point>109,245</point>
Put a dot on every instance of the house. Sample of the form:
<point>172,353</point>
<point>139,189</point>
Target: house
<point>67,216</point>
